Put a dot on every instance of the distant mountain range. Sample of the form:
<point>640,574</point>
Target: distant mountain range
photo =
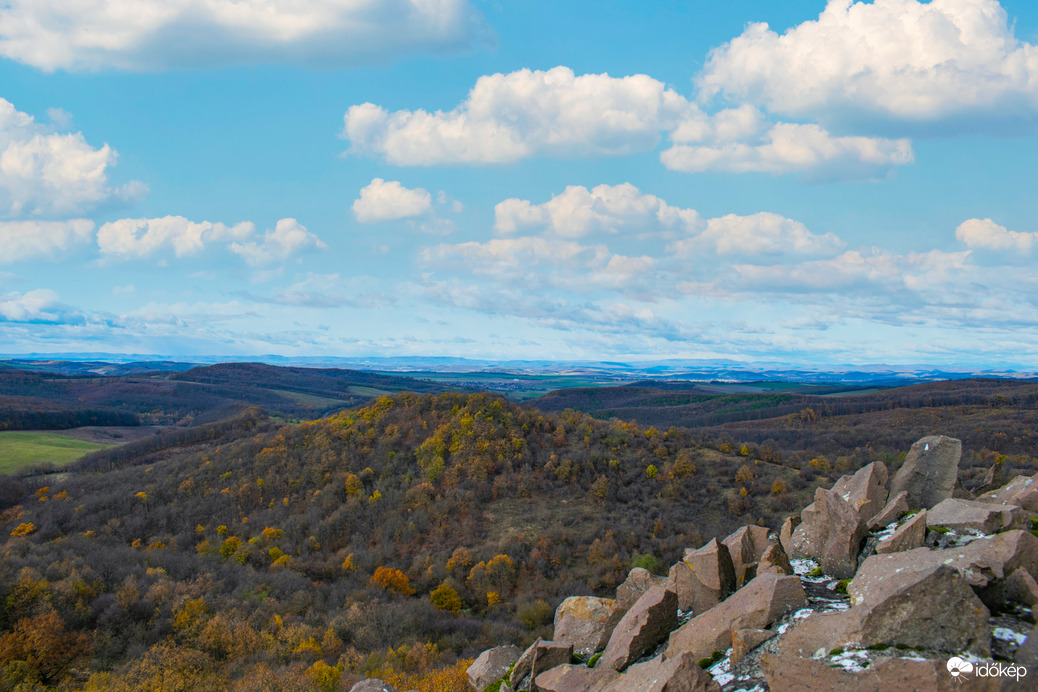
<point>607,371</point>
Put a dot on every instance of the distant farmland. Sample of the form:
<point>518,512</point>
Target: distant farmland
<point>21,449</point>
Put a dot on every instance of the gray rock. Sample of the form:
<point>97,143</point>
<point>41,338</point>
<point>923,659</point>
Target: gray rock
<point>491,665</point>
<point>645,625</point>
<point>372,685</point>
<point>930,471</point>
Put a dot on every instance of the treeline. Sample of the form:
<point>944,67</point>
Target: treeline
<point>19,417</point>
<point>406,535</point>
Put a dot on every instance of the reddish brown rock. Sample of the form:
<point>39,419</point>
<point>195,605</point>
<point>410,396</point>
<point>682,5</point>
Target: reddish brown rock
<point>865,491</point>
<point>745,547</point>
<point>1022,491</point>
<point>786,532</point>
<point>585,622</point>
<point>911,534</point>
<point>645,625</point>
<point>704,578</point>
<point>774,561</point>
<point>1021,587</point>
<point>979,516</point>
<point>929,472</point>
<point>934,609</point>
<point>575,678</point>
<point>983,562</point>
<point>665,674</point>
<point>891,512</point>
<point>765,599</point>
<point>746,640</point>
<point>638,581</point>
<point>541,656</point>
<point>491,665</point>
<point>792,674</point>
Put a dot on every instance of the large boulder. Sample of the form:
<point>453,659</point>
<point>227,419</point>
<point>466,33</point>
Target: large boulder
<point>679,673</point>
<point>930,471</point>
<point>746,640</point>
<point>704,578</point>
<point>491,665</point>
<point>372,685</point>
<point>575,678</point>
<point>911,534</point>
<point>764,600</point>
<point>932,609</point>
<point>638,581</point>
<point>979,516</point>
<point>745,546</point>
<point>1022,491</point>
<point>774,561</point>
<point>786,532</point>
<point>645,625</point>
<point>585,622</point>
<point>540,656</point>
<point>831,532</point>
<point>865,491</point>
<point>793,674</point>
<point>982,563</point>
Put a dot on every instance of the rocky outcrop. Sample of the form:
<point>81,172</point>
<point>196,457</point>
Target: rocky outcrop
<point>491,665</point>
<point>372,685</point>
<point>645,625</point>
<point>585,622</point>
<point>954,578</point>
<point>930,471</point>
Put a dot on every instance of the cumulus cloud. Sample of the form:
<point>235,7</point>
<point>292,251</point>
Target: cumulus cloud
<point>288,237</point>
<point>988,235</point>
<point>901,60</point>
<point>793,148</point>
<point>764,233</point>
<point>139,238</point>
<point>40,305</point>
<point>48,173</point>
<point>578,212</point>
<point>507,117</point>
<point>142,238</point>
<point>383,200</point>
<point>23,240</point>
<point>145,35</point>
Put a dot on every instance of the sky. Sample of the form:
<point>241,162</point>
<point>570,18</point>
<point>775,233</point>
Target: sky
<point>796,182</point>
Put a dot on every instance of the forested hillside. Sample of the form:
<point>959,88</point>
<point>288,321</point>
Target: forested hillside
<point>402,535</point>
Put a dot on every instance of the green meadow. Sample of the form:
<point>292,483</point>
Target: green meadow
<point>21,449</point>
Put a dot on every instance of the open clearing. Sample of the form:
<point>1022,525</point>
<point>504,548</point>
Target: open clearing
<point>21,449</point>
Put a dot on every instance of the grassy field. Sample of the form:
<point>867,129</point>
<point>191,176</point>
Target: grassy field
<point>21,449</point>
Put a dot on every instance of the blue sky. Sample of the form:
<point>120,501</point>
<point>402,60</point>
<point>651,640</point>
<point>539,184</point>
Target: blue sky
<point>795,182</point>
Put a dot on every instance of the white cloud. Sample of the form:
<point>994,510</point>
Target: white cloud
<point>793,148</point>
<point>145,35</point>
<point>898,59</point>
<point>288,237</point>
<point>605,208</point>
<point>932,271</point>
<point>48,173</point>
<point>40,305</point>
<point>138,238</point>
<point>507,117</point>
<point>23,240</point>
<point>988,235</point>
<point>383,200</point>
<point>764,233</point>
